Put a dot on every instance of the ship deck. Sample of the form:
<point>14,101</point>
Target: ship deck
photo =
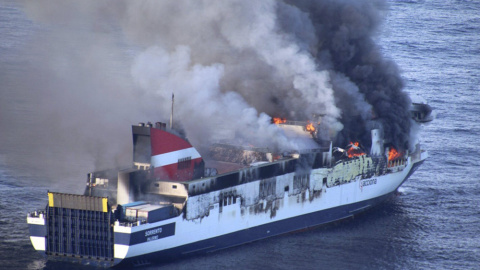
<point>224,166</point>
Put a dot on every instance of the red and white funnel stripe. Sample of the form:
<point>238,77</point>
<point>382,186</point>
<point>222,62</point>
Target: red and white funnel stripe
<point>173,158</point>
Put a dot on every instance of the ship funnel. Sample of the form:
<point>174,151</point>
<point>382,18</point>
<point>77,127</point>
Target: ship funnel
<point>377,143</point>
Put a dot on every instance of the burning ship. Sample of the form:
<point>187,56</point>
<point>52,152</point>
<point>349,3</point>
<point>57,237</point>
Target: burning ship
<point>173,202</point>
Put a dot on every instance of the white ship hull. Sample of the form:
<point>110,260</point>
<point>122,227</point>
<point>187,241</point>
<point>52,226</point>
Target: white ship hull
<point>218,212</point>
<point>235,224</point>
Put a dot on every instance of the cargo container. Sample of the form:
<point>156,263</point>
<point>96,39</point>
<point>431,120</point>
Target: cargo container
<point>154,213</point>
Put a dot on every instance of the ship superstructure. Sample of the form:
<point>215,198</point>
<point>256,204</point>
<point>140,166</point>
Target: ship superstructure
<point>173,202</point>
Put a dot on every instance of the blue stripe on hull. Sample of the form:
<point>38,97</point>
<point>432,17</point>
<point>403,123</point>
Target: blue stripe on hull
<point>37,230</point>
<point>145,235</point>
<point>233,239</point>
<point>255,233</point>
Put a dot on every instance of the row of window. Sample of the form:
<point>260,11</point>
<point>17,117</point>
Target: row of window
<point>184,163</point>
<point>301,181</point>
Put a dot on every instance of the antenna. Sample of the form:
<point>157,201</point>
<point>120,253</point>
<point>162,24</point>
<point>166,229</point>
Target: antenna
<point>171,115</point>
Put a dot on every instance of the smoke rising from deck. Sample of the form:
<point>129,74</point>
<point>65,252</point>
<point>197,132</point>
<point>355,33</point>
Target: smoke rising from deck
<point>231,64</point>
<point>291,59</point>
<point>364,82</point>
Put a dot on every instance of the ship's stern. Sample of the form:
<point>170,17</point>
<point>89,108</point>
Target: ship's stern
<point>74,228</point>
<point>38,230</point>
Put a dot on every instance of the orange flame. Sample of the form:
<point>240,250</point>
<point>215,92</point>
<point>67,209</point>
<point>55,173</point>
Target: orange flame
<point>393,154</point>
<point>310,127</point>
<point>354,150</point>
<point>278,120</point>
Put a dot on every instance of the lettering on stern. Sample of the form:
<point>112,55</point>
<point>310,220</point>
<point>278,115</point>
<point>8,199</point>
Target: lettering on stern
<point>367,182</point>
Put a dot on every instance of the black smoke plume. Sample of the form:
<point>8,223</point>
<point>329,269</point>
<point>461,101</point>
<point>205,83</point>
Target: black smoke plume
<point>103,65</point>
<point>345,32</point>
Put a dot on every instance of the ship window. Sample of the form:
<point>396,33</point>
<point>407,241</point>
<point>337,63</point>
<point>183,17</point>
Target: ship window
<point>267,187</point>
<point>184,163</point>
<point>301,182</point>
<point>287,188</point>
<point>174,186</point>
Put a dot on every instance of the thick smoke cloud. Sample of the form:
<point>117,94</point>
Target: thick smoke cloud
<point>263,67</point>
<point>231,64</point>
<point>364,82</point>
<point>291,59</point>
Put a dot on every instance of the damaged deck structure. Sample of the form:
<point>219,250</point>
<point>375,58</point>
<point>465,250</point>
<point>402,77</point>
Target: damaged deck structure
<point>173,202</point>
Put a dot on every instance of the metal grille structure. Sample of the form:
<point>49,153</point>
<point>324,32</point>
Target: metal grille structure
<point>79,233</point>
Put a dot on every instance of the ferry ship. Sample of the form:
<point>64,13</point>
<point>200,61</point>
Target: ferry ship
<point>172,202</point>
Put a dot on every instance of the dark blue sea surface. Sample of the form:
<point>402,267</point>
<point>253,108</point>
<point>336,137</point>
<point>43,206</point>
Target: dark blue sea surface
<point>432,223</point>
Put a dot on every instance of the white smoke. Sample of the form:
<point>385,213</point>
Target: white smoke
<point>195,71</point>
<point>201,108</point>
<point>231,64</point>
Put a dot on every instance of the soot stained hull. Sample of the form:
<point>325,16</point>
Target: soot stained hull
<point>211,212</point>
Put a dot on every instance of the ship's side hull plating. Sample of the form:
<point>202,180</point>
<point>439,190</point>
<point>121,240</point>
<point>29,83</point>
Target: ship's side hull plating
<point>237,222</point>
<point>169,205</point>
<point>255,233</point>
